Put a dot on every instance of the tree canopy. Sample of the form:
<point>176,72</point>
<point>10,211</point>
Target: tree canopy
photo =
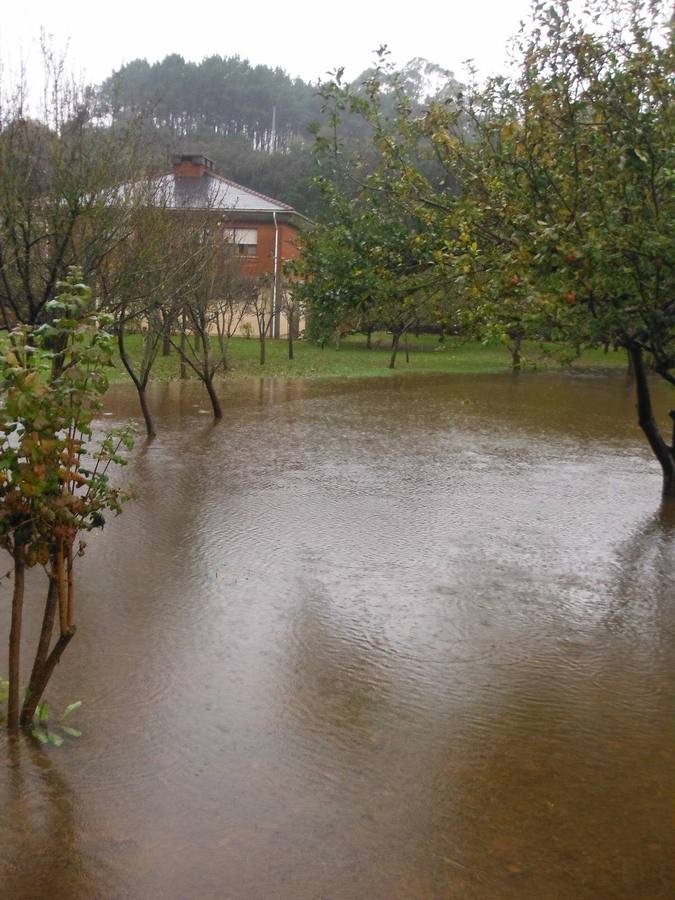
<point>552,214</point>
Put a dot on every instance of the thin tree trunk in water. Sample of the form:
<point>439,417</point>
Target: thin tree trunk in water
<point>213,397</point>
<point>139,385</point>
<point>394,350</point>
<point>45,673</point>
<point>145,409</point>
<point>70,584</point>
<point>32,699</point>
<point>664,453</point>
<point>61,588</point>
<point>15,640</point>
<point>516,359</point>
<point>183,350</point>
<point>630,370</point>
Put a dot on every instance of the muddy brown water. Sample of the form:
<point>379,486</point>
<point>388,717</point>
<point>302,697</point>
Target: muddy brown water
<point>409,638</point>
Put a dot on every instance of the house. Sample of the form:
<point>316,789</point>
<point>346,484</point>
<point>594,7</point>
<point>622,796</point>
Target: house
<point>265,231</point>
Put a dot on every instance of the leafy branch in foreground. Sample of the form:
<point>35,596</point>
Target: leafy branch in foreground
<point>54,470</point>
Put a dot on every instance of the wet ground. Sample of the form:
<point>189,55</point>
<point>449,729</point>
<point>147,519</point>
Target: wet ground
<point>373,639</point>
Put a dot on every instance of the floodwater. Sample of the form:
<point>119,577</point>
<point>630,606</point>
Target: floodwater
<point>407,638</point>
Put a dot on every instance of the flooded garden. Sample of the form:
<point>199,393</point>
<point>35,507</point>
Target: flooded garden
<point>402,638</point>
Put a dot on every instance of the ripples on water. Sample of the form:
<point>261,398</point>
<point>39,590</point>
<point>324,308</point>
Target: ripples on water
<point>384,639</point>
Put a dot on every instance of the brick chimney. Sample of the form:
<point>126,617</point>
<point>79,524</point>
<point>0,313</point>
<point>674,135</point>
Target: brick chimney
<point>191,165</point>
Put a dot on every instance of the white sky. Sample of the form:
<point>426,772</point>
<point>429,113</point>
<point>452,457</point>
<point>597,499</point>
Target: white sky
<point>306,37</point>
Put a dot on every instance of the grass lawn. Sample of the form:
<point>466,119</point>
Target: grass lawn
<point>353,360</point>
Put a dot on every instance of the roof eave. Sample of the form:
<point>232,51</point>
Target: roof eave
<point>289,216</point>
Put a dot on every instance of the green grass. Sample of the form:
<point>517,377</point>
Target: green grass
<point>353,360</point>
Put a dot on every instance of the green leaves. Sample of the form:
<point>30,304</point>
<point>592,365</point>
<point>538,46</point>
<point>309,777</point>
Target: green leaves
<point>41,729</point>
<point>46,735</point>
<point>71,708</point>
<point>554,215</point>
<point>40,734</point>
<point>71,732</point>
<point>51,381</point>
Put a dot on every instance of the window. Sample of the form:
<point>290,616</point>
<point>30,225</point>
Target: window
<point>246,240</point>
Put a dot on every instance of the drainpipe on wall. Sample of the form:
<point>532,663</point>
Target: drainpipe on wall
<point>276,274</point>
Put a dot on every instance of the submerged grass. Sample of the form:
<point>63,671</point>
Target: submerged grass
<point>354,360</point>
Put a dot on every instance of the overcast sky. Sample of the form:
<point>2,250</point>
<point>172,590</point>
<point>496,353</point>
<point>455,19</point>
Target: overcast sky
<point>305,38</point>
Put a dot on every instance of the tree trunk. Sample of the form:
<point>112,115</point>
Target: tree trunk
<point>61,587</point>
<point>32,698</point>
<point>213,397</point>
<point>394,349</point>
<point>15,640</point>
<point>145,409</point>
<point>70,584</point>
<point>166,343</point>
<point>139,384</point>
<point>369,338</point>
<point>183,351</point>
<point>290,336</point>
<point>516,358</point>
<point>43,676</point>
<point>262,349</point>
<point>664,453</point>
<point>630,371</point>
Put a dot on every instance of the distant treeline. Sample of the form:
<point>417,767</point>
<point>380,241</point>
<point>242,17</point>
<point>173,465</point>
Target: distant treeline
<point>220,97</point>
